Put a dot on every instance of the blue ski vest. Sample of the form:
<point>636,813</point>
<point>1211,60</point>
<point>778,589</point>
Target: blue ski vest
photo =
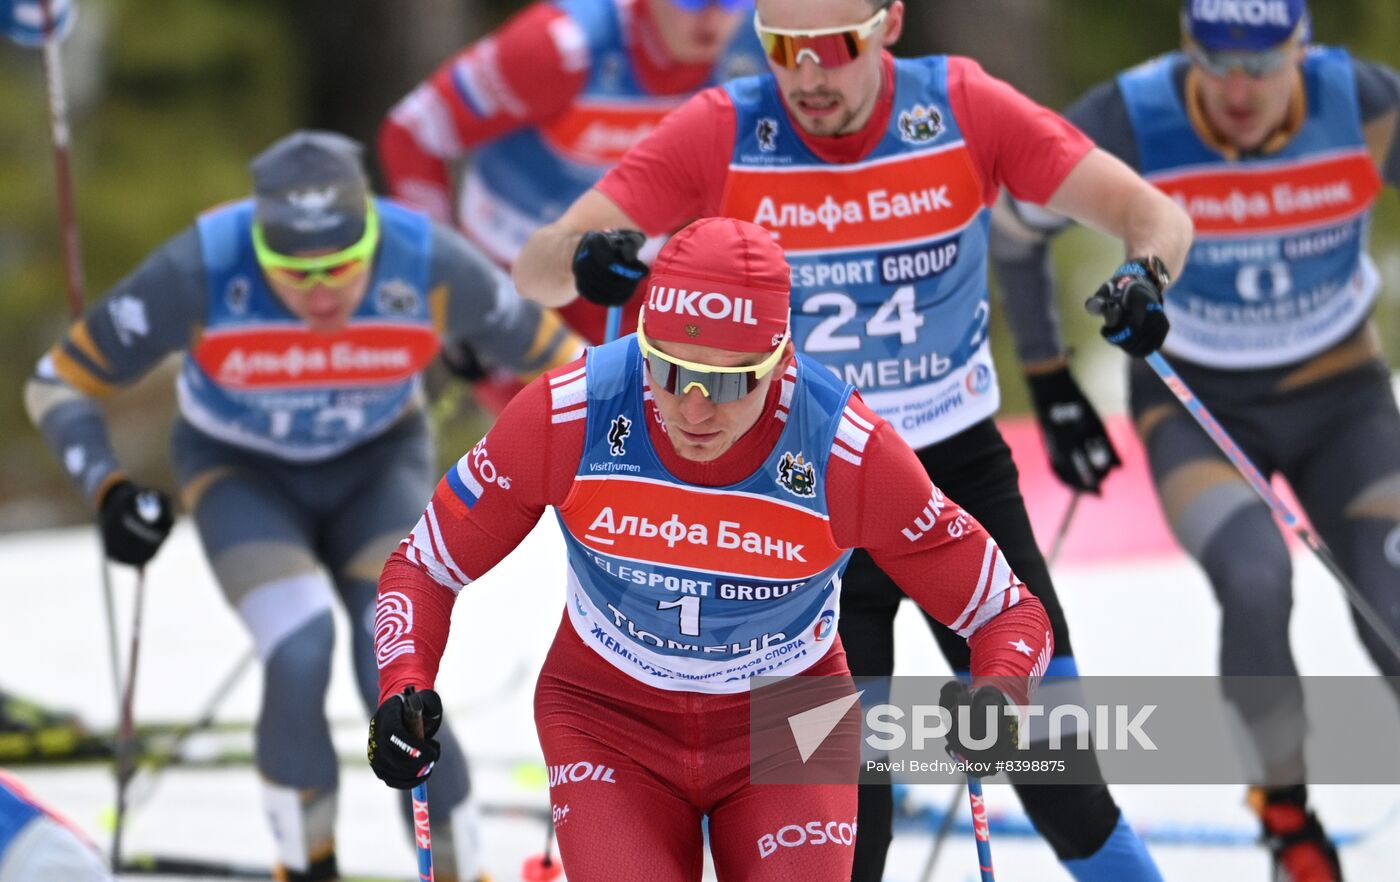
<point>258,378</point>
<point>692,588</point>
<point>888,254</point>
<point>1278,271</point>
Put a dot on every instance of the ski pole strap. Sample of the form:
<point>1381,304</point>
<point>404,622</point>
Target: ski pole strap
<point>981,829</point>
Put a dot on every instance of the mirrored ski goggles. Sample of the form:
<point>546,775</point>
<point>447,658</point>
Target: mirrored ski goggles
<point>722,385</point>
<point>829,47</point>
<point>334,270</point>
<point>1255,64</point>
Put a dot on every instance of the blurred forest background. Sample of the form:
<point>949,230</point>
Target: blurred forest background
<point>170,98</point>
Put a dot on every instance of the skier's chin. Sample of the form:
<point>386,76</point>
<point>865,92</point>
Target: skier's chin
<point>700,446</point>
<point>327,325</point>
<point>821,116</point>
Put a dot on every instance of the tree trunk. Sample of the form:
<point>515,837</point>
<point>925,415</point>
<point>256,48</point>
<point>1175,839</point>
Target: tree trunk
<point>359,57</point>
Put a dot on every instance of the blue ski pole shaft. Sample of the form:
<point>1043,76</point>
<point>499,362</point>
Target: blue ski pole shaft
<point>614,324</point>
<point>422,831</point>
<point>1266,492</point>
<point>981,831</point>
<point>422,835</point>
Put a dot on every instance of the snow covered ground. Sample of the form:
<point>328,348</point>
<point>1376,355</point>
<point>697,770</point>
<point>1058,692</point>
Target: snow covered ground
<point>1148,616</point>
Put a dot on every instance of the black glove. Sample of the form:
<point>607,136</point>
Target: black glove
<point>461,362</point>
<point>1080,452</point>
<point>134,521</point>
<point>1131,306</point>
<point>402,750</point>
<point>606,268</point>
<point>956,696</point>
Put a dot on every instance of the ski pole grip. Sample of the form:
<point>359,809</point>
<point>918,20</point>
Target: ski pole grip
<point>413,711</point>
<point>1105,308</point>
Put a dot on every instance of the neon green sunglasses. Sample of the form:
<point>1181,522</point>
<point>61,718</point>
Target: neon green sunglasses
<point>334,270</point>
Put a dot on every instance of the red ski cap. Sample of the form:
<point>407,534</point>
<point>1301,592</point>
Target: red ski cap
<point>719,282</point>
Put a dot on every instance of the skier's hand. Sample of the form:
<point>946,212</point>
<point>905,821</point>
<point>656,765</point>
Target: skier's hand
<point>973,706</point>
<point>1081,453</point>
<point>135,521</point>
<point>1131,306</point>
<point>402,749</point>
<point>461,361</point>
<point>606,268</point>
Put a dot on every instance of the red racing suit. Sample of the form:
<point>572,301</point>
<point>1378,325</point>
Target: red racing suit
<point>634,766</point>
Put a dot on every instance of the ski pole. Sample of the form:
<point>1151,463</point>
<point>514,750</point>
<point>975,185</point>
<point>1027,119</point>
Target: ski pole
<point>63,178</point>
<point>73,273</point>
<point>72,262</point>
<point>73,276</point>
<point>422,835</point>
<point>1266,492</point>
<point>126,732</point>
<point>981,829</point>
<point>422,832</point>
<point>1062,533</point>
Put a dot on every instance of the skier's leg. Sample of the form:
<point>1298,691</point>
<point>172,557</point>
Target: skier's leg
<point>614,764</point>
<point>1214,514</point>
<point>1081,822</point>
<point>777,833</point>
<point>1349,484</point>
<point>259,547</point>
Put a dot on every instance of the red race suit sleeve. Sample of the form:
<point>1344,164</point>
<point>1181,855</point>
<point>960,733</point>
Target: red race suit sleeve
<point>881,499</point>
<point>677,173</point>
<point>527,71</point>
<point>1016,143</point>
<point>481,510</point>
